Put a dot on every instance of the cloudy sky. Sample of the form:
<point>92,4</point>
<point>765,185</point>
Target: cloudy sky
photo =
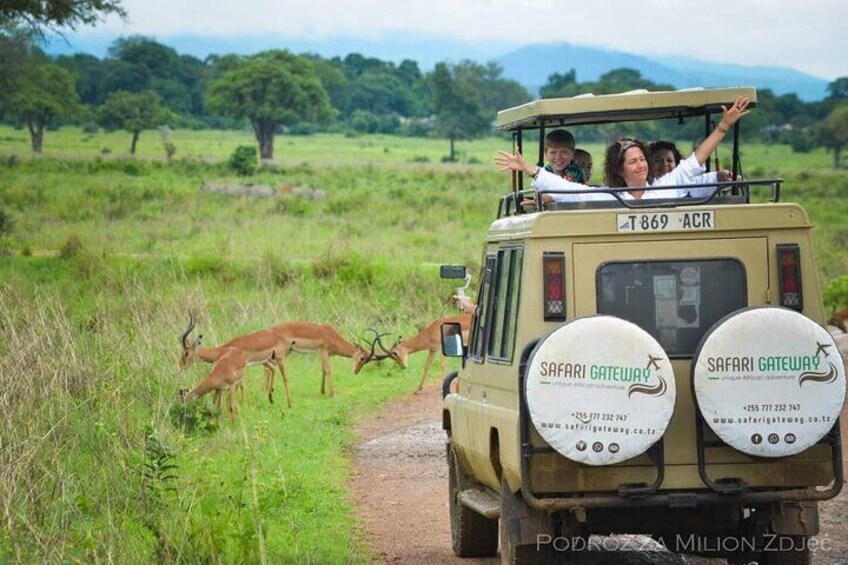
<point>807,35</point>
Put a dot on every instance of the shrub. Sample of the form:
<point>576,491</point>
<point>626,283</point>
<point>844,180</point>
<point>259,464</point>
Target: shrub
<point>244,160</point>
<point>836,294</point>
<point>71,248</point>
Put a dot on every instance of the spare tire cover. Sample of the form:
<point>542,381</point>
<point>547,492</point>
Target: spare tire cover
<point>600,390</point>
<point>768,381</point>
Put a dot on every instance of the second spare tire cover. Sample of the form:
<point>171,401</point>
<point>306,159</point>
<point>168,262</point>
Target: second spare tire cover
<point>768,381</point>
<point>600,390</point>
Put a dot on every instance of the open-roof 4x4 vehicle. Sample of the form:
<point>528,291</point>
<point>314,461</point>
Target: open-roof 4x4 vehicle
<point>652,367</point>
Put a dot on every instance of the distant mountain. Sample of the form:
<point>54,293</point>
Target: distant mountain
<point>531,66</point>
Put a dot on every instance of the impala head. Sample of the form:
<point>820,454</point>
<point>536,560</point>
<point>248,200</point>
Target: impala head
<point>397,352</point>
<point>364,356</point>
<point>189,354</point>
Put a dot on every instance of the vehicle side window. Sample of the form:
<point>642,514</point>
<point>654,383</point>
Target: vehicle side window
<point>504,312</point>
<point>479,335</point>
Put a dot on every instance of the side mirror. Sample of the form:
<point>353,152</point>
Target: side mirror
<point>452,271</point>
<point>452,340</point>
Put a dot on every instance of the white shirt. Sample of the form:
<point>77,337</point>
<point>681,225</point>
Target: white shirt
<point>688,171</point>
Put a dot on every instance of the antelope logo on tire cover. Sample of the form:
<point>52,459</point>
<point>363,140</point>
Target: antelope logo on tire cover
<point>769,382</point>
<point>600,390</point>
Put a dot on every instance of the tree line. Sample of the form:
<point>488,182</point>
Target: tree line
<point>142,84</point>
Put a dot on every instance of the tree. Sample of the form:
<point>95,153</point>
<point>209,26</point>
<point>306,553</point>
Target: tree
<point>561,85</point>
<point>833,132</point>
<point>838,89</point>
<point>459,111</point>
<point>133,112</point>
<point>39,15</point>
<point>44,92</point>
<point>270,89</point>
<point>468,95</point>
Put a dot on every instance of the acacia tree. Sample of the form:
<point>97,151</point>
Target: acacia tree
<point>40,14</point>
<point>133,112</point>
<point>270,89</point>
<point>832,132</point>
<point>44,92</point>
<point>459,111</point>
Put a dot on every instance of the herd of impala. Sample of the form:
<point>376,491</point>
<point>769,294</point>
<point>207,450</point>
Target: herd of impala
<point>269,348</point>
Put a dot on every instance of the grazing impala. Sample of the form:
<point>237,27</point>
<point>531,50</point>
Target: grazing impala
<point>226,374</point>
<point>269,347</point>
<point>430,339</point>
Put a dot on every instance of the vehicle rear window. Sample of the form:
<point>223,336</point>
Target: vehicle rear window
<point>674,301</point>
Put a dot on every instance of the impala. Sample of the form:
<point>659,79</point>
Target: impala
<point>226,374</point>
<point>429,339</point>
<point>310,337</point>
<point>269,347</point>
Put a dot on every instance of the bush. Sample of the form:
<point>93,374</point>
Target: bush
<point>244,161</point>
<point>836,294</point>
<point>71,248</point>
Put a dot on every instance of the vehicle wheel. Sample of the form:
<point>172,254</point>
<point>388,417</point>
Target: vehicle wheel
<point>472,535</point>
<point>448,383</point>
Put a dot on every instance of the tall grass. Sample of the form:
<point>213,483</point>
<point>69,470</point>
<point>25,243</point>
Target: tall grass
<point>104,257</point>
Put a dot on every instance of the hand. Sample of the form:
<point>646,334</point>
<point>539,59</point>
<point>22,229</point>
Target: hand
<point>509,162</point>
<point>725,176</point>
<point>465,304</point>
<point>735,112</point>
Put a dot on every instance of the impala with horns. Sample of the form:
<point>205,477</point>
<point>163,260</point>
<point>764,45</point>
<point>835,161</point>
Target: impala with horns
<point>269,348</point>
<point>430,340</point>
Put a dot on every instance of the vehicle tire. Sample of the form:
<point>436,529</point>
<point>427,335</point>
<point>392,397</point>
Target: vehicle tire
<point>447,383</point>
<point>472,535</point>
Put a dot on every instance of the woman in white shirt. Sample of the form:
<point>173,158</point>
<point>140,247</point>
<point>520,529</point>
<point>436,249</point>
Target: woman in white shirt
<point>627,166</point>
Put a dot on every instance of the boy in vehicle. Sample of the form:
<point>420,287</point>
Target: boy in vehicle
<point>559,153</point>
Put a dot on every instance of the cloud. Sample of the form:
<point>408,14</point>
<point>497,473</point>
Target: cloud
<point>802,35</point>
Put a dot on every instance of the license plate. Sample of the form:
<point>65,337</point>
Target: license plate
<point>691,220</point>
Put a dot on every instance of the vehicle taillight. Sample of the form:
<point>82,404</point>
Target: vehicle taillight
<point>553,265</point>
<point>789,276</point>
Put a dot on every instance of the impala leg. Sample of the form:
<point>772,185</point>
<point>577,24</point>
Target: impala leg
<point>231,393</point>
<point>327,376</point>
<point>281,364</point>
<point>268,371</point>
<point>216,399</point>
<point>431,355</point>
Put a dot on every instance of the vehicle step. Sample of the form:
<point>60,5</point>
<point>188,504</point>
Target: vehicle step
<point>481,501</point>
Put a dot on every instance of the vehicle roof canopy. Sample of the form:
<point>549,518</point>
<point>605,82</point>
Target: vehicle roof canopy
<point>635,105</point>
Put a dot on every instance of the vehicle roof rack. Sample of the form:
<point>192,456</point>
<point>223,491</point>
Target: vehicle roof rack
<point>635,105</point>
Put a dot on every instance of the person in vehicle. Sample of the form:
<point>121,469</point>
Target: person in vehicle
<point>559,154</point>
<point>626,165</point>
<point>665,156</point>
<point>584,159</point>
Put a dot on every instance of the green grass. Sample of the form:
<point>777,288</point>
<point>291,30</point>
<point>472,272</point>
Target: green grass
<point>103,257</point>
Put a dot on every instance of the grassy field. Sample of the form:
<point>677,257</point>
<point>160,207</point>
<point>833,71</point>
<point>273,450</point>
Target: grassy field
<point>104,257</point>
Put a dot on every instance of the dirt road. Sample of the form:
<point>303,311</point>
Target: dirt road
<point>400,488</point>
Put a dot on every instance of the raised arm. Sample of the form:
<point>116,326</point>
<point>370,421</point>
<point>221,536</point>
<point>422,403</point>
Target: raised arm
<point>729,117</point>
<point>509,162</point>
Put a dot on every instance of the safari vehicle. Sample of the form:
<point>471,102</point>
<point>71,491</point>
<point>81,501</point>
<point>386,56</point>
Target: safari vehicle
<point>653,367</point>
